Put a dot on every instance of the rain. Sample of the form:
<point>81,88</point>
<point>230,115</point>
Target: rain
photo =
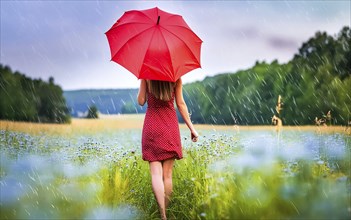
<point>271,102</point>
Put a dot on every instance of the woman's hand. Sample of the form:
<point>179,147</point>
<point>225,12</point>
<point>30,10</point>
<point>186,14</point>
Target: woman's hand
<point>194,135</point>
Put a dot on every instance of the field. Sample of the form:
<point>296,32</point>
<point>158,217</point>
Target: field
<point>93,169</point>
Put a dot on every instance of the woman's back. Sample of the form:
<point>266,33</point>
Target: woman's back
<point>153,102</point>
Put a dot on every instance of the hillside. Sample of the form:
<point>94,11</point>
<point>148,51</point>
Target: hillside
<point>107,101</point>
<point>316,81</point>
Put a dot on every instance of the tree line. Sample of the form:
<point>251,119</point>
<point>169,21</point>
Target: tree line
<point>317,80</point>
<point>107,101</point>
<point>34,100</point>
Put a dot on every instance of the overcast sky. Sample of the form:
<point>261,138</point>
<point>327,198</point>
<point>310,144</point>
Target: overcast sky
<point>66,40</point>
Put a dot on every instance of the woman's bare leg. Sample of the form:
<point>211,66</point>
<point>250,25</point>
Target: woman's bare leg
<point>158,186</point>
<point>167,166</point>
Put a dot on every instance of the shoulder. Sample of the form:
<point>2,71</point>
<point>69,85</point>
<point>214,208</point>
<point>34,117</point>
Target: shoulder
<point>179,83</point>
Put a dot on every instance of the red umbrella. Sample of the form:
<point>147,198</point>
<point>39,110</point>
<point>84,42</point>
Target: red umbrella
<point>154,44</point>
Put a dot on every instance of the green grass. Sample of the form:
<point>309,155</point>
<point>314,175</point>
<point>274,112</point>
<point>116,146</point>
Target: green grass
<point>222,177</point>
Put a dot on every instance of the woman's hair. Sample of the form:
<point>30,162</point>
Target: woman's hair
<point>161,89</point>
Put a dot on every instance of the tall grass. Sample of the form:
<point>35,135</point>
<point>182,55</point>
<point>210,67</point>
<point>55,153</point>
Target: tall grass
<point>208,186</point>
<point>260,175</point>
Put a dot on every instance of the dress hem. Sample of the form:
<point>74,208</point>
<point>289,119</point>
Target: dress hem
<point>163,159</point>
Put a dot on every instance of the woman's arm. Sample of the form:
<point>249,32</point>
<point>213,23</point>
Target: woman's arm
<point>142,92</point>
<point>183,109</point>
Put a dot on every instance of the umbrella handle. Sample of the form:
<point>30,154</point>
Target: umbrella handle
<point>158,20</point>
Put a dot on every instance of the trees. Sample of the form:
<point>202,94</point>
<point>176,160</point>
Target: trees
<point>25,99</point>
<point>92,112</point>
<point>321,76</point>
<point>129,108</point>
<point>315,81</point>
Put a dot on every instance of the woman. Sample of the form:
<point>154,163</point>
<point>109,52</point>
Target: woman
<point>161,143</point>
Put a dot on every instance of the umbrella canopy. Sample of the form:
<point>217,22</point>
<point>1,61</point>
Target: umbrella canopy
<point>154,44</point>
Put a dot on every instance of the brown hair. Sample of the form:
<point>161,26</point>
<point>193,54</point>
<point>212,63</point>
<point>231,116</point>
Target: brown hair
<point>161,89</point>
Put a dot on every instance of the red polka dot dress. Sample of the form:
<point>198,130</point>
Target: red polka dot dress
<point>161,136</point>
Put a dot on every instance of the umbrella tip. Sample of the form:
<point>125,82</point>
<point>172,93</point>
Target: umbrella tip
<point>158,20</point>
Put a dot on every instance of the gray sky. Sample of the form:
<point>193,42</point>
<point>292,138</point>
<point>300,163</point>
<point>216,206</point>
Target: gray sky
<point>66,40</point>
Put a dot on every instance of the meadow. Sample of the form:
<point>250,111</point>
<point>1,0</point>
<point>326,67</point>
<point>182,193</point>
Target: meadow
<point>93,169</point>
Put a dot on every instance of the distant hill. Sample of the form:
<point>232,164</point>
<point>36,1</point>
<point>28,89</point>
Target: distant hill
<point>107,101</point>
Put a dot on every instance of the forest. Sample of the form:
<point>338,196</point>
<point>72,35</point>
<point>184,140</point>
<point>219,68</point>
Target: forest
<point>315,81</point>
<point>26,99</point>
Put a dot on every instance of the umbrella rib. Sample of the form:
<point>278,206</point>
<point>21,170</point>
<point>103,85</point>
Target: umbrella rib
<point>119,25</point>
<point>164,39</point>
<point>130,40</point>
<point>181,26</point>
<point>150,43</point>
<point>173,15</point>
<point>134,22</point>
<point>183,42</point>
<point>142,14</point>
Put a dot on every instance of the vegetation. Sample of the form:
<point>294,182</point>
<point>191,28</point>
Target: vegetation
<point>92,112</point>
<point>91,172</point>
<point>129,108</point>
<point>26,99</point>
<point>315,81</point>
<point>108,101</point>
